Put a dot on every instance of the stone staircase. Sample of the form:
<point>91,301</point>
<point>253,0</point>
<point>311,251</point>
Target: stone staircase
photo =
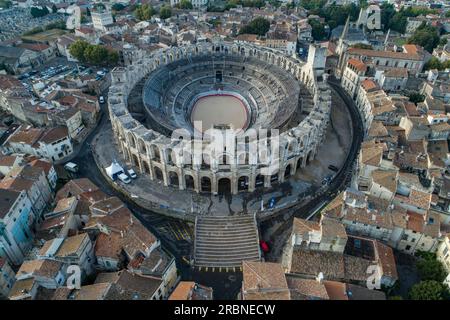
<point>225,241</point>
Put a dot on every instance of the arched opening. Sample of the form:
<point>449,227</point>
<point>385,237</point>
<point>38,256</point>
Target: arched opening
<point>224,186</point>
<point>132,142</point>
<point>259,181</point>
<point>170,156</point>
<point>287,171</point>
<point>206,184</point>
<point>146,167</point>
<point>274,178</point>
<point>243,183</point>
<point>158,173</point>
<point>134,160</point>
<point>189,180</point>
<point>309,157</point>
<point>173,178</point>
<point>299,163</point>
<point>156,156</point>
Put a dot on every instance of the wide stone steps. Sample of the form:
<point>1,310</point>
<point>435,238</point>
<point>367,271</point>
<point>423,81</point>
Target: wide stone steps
<point>224,241</point>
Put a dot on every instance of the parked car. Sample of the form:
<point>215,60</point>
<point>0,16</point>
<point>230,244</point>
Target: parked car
<point>101,99</point>
<point>72,167</point>
<point>264,246</point>
<point>124,178</point>
<point>333,168</point>
<point>132,174</point>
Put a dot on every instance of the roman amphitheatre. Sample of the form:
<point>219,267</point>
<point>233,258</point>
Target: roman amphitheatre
<point>163,107</point>
<point>223,86</point>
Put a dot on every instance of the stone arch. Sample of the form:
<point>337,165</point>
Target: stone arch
<point>224,186</point>
<point>243,183</point>
<point>170,156</point>
<point>173,179</point>
<point>134,160</point>
<point>146,167</point>
<point>142,148</point>
<point>131,140</point>
<point>274,178</point>
<point>158,173</point>
<point>155,154</point>
<point>189,182</point>
<point>205,184</point>
<point>259,181</point>
<point>287,171</point>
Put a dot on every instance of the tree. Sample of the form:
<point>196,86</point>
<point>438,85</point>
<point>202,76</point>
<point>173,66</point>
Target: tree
<point>54,9</point>
<point>165,12</point>
<point>5,4</point>
<point>93,54</point>
<point>144,12</point>
<point>258,26</point>
<point>88,12</point>
<point>39,12</point>
<point>185,4</point>
<point>318,30</point>
<point>362,46</point>
<point>429,290</point>
<point>118,6</point>
<point>416,97</point>
<point>425,36</point>
<point>77,49</point>
<point>430,268</point>
<point>435,63</point>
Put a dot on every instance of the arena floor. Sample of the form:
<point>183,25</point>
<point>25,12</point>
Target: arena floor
<point>219,110</point>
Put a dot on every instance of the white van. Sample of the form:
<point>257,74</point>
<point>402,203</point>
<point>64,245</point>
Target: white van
<point>132,174</point>
<point>124,178</point>
<point>72,167</point>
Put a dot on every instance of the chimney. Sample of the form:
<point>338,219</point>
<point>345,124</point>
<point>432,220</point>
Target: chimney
<point>319,277</point>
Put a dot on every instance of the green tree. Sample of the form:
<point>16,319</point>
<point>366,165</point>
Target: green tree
<point>113,58</point>
<point>88,12</point>
<point>185,4</point>
<point>362,46</point>
<point>54,8</point>
<point>430,268</point>
<point>5,4</point>
<point>77,49</point>
<point>258,26</point>
<point>165,12</point>
<point>39,12</point>
<point>416,97</point>
<point>144,12</point>
<point>318,29</point>
<point>429,290</point>
<point>118,6</point>
<point>425,36</point>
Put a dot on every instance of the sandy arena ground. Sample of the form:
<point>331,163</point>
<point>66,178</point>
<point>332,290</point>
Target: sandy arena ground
<point>219,110</point>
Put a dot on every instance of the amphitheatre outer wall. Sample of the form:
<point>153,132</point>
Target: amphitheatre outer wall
<point>155,154</point>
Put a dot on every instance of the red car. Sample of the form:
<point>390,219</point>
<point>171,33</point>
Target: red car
<point>264,246</point>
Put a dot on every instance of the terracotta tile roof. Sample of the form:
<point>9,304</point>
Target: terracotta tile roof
<point>54,134</point>
<point>412,55</point>
<point>386,260</point>
<point>76,187</point>
<point>309,262</point>
<point>96,291</point>
<point>386,179</point>
<point>264,280</point>
<point>369,85</point>
<point>306,289</point>
<point>189,290</point>
<point>336,290</point>
<point>357,64</point>
<point>371,156</point>
<point>26,136</point>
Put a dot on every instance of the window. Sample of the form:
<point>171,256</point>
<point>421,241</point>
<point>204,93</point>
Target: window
<point>407,248</point>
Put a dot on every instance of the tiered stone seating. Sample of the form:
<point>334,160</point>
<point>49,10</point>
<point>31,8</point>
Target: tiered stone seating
<point>222,241</point>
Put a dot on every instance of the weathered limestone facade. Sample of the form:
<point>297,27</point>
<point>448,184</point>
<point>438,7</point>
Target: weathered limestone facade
<point>164,158</point>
